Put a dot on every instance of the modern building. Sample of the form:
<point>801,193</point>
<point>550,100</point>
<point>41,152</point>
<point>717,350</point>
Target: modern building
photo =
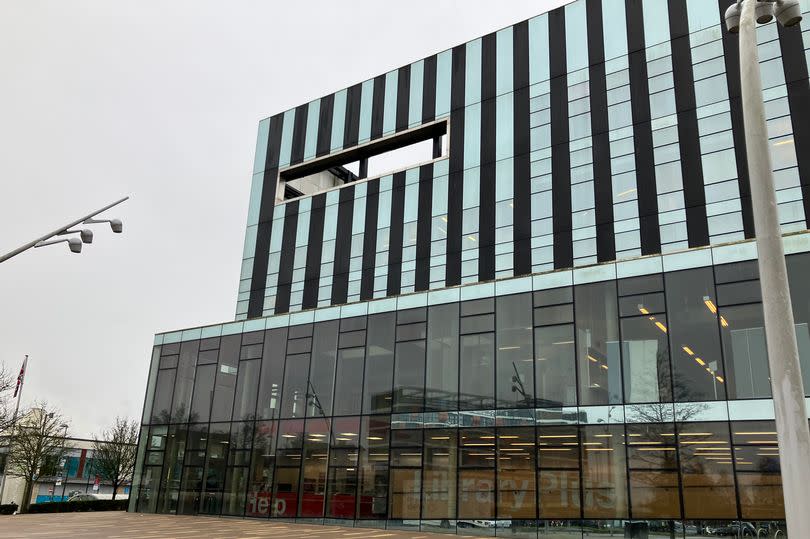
<point>547,322</point>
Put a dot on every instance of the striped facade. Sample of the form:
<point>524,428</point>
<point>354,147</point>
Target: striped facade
<point>599,131</point>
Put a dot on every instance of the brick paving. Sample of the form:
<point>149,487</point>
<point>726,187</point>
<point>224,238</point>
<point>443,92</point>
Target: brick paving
<point>121,525</point>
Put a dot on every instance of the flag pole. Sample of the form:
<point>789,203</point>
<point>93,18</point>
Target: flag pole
<point>19,389</point>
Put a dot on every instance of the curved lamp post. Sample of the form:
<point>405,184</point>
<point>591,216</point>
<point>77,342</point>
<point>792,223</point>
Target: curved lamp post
<point>783,354</point>
<point>75,244</point>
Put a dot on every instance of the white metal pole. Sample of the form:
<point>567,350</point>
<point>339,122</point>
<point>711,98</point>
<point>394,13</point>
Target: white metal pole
<point>783,354</point>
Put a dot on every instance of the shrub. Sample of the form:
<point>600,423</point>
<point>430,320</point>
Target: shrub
<point>8,509</point>
<point>84,505</point>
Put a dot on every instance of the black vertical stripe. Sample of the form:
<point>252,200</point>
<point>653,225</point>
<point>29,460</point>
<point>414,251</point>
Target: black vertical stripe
<point>370,240</point>
<point>351,129</point>
<point>522,214</point>
<point>299,134</point>
<point>456,165</point>
<point>424,226</point>
<point>343,246</point>
<point>325,125</point>
<point>378,107</point>
<point>731,50</point>
<point>429,89</point>
<point>642,131</point>
<point>403,97</point>
<point>486,209</point>
<point>794,64</point>
<point>395,234</point>
<point>258,281</point>
<point>560,158</point>
<point>602,178</point>
<point>312,272</point>
<point>697,224</point>
<point>287,257</point>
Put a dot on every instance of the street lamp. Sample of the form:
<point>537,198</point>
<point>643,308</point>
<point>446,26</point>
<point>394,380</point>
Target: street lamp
<point>783,354</point>
<point>75,244</point>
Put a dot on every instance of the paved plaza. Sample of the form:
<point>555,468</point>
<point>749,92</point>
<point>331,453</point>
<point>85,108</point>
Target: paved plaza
<point>115,524</point>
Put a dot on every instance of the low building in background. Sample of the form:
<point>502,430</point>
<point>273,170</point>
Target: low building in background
<point>511,286</point>
<point>74,475</point>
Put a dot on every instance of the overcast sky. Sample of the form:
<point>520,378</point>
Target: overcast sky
<point>161,101</point>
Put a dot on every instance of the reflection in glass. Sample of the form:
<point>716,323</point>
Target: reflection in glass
<point>645,359</point>
<point>697,366</point>
<point>515,354</point>
<point>604,479</point>
<point>260,491</point>
<point>743,333</point>
<point>372,499</point>
<point>441,373</point>
<point>379,368</point>
<point>707,474</point>
<point>759,480</point>
<point>652,461</point>
<point>555,372</point>
<point>439,479</point>
<point>598,356</point>
<point>477,366</point>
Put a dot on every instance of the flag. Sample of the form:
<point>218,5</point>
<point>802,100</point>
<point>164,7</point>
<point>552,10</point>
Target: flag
<point>20,377</point>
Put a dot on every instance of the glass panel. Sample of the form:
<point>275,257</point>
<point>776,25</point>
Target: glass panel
<point>409,376</point>
<point>517,489</point>
<point>707,473</point>
<point>515,354</point>
<point>693,332</point>
<point>555,373</point>
<point>348,392</point>
<point>272,374</point>
<point>746,355</point>
<point>295,392</point>
<point>322,369</point>
<point>372,500</point>
<point>598,353</point>
<point>287,472</point>
<point>477,370</point>
<point>313,482</point>
<point>645,359</point>
<point>203,393</point>
<point>225,383</point>
<point>604,473</point>
<point>558,471</point>
<point>798,268</point>
<point>379,363</point>
<point>161,409</point>
<point>759,481</point>
<point>440,463</point>
<point>184,382</point>
<point>260,497</point>
<point>441,376</point>
<point>246,390</point>
<point>653,471</point>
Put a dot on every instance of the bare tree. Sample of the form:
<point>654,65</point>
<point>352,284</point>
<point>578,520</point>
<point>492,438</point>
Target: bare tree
<point>114,453</point>
<point>37,445</point>
<point>6,409</point>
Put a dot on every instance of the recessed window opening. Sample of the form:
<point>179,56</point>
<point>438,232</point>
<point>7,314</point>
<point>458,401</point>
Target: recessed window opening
<point>371,160</point>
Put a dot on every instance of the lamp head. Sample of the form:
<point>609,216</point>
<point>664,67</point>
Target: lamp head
<point>788,12</point>
<point>75,245</point>
<point>116,225</point>
<point>86,235</point>
<point>764,11</point>
<point>733,18</point>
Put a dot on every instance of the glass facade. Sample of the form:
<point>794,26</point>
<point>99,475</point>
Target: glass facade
<point>551,328</point>
<point>607,406</point>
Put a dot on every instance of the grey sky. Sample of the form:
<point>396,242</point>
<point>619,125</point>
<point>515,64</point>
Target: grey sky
<point>161,101</point>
